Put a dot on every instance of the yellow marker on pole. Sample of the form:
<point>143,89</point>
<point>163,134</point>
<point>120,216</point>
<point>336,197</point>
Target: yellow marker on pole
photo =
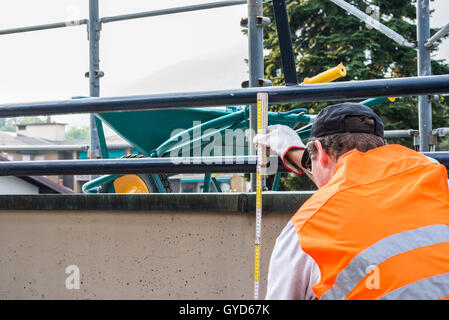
<point>262,123</point>
<point>328,76</point>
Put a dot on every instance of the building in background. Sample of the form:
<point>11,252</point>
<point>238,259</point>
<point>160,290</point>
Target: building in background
<point>30,185</point>
<point>47,141</point>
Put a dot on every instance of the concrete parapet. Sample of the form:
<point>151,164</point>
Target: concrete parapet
<point>157,246</point>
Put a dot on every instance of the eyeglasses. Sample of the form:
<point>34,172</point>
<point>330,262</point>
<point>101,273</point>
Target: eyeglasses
<point>308,164</point>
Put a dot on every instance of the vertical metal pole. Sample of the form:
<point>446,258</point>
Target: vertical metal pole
<point>424,69</point>
<point>285,42</point>
<point>94,27</point>
<point>256,67</point>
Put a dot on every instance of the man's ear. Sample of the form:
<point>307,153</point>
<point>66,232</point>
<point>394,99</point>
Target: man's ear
<point>323,157</point>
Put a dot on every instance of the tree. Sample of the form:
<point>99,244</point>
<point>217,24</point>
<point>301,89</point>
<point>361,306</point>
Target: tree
<point>75,133</point>
<point>324,35</point>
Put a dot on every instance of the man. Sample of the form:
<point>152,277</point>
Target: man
<point>378,226</point>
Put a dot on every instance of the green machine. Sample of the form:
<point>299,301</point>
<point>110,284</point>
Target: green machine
<point>181,133</point>
<point>193,132</point>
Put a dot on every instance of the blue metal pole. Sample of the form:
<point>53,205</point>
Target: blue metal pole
<point>424,69</point>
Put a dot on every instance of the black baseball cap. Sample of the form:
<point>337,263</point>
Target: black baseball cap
<point>331,120</point>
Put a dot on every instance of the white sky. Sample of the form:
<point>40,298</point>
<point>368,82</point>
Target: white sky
<point>182,52</point>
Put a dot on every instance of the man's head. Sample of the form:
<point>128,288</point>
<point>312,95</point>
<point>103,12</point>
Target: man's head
<point>337,130</point>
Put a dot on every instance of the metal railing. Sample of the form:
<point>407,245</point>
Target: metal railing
<point>312,92</point>
<point>422,86</point>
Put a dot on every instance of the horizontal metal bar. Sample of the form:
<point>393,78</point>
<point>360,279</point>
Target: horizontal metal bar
<point>119,146</point>
<point>237,164</point>
<point>56,25</point>
<point>441,132</point>
<point>441,156</point>
<point>437,36</point>
<point>301,93</point>
<point>400,133</point>
<point>44,147</point>
<point>374,23</point>
<point>161,12</point>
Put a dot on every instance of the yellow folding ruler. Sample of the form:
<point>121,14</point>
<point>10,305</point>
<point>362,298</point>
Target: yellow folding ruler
<point>262,123</point>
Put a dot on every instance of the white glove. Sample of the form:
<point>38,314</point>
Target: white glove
<point>281,139</point>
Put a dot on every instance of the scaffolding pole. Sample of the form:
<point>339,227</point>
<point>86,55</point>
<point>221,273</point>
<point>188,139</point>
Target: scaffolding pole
<point>145,14</point>
<point>94,28</point>
<point>161,12</point>
<point>389,134</point>
<point>344,90</point>
<point>437,36</point>
<point>56,25</point>
<point>374,23</point>
<point>424,70</point>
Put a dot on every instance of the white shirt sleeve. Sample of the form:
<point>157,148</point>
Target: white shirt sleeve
<point>292,272</point>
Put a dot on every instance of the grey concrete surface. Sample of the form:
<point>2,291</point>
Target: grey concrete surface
<point>137,253</point>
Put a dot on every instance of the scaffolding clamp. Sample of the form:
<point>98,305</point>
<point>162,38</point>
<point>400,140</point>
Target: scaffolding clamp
<point>433,98</point>
<point>260,22</point>
<point>260,83</point>
<point>98,74</point>
<point>97,29</point>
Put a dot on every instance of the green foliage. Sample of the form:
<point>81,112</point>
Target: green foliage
<point>324,35</point>
<point>293,182</point>
<point>75,133</point>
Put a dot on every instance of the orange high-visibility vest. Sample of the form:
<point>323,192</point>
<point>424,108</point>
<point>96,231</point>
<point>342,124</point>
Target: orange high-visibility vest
<point>379,229</point>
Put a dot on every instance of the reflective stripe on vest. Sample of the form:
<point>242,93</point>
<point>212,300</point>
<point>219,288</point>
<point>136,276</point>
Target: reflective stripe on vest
<point>433,288</point>
<point>385,249</point>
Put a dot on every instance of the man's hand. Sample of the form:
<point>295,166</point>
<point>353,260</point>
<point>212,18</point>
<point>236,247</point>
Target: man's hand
<point>284,142</point>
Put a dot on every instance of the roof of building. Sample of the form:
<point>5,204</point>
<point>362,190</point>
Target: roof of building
<point>44,184</point>
<point>11,138</point>
<point>41,124</point>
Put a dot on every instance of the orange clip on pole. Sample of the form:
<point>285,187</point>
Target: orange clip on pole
<point>328,76</point>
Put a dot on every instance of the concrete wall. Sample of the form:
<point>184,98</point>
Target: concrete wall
<point>203,250</point>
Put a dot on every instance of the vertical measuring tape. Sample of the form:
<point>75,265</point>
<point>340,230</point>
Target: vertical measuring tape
<point>262,122</point>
